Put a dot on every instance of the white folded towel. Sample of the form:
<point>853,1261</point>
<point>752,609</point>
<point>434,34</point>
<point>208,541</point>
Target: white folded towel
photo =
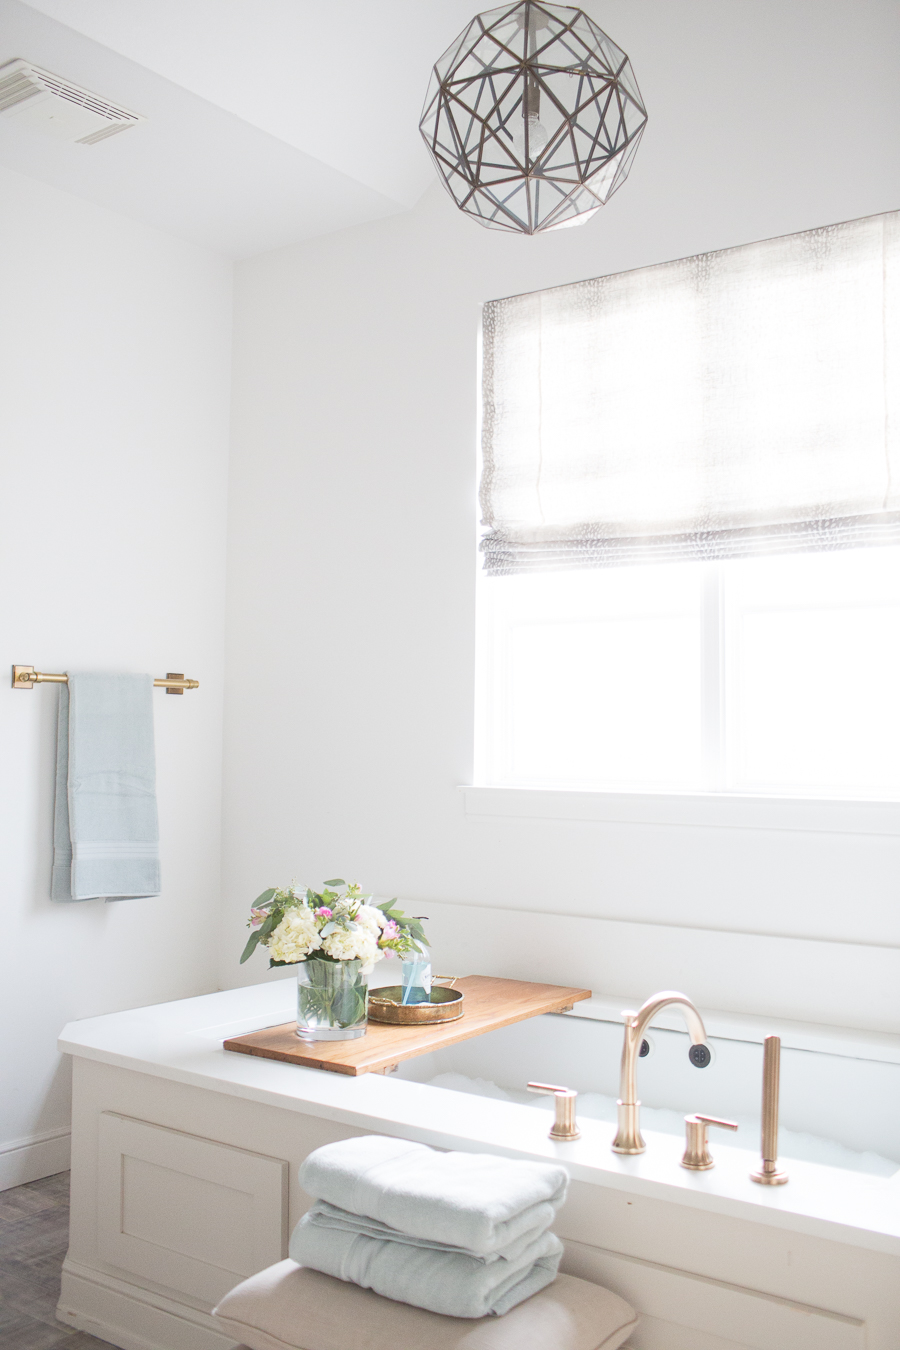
<point>443,1282</point>
<point>329,1216</point>
<point>475,1202</point>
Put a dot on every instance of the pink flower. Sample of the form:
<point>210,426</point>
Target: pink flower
<point>257,916</point>
<point>323,912</point>
<point>391,930</point>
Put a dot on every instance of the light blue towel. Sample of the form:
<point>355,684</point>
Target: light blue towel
<point>451,1283</point>
<point>105,827</point>
<point>476,1202</point>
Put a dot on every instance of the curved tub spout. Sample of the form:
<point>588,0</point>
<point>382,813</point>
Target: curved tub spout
<point>628,1136</point>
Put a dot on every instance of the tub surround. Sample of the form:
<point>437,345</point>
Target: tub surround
<point>183,1042</point>
<point>158,1098</point>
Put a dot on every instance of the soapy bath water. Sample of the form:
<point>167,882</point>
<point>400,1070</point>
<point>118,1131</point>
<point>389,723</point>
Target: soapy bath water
<point>596,1106</point>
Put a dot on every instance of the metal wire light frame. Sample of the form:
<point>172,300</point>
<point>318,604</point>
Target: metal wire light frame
<point>481,120</point>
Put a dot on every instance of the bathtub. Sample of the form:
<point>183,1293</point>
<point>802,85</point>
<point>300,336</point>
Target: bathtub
<point>839,1104</point>
<point>184,1161</point>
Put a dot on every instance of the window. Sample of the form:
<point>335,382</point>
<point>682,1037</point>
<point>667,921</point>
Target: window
<point>775,675</point>
<point>691,490</point>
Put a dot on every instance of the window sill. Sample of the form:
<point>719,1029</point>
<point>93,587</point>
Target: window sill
<point>705,810</point>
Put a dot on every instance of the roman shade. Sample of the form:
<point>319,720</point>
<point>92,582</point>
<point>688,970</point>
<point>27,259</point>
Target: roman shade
<point>735,402</point>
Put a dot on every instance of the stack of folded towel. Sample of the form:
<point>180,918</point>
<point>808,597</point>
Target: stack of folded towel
<point>463,1234</point>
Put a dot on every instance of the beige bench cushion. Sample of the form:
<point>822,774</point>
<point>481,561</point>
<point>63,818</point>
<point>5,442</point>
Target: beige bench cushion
<point>289,1307</point>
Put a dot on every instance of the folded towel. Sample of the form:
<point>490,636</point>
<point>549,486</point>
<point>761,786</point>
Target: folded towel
<point>443,1282</point>
<point>477,1202</point>
<point>329,1216</point>
<point>105,829</point>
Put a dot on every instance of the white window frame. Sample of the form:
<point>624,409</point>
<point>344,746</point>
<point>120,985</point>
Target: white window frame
<point>712,810</point>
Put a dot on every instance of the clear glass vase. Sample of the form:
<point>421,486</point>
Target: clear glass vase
<point>332,1000</point>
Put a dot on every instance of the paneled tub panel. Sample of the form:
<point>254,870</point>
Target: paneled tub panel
<point>188,1214</point>
<point>680,1309</point>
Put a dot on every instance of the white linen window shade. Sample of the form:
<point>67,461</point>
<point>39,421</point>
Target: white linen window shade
<point>736,402</point>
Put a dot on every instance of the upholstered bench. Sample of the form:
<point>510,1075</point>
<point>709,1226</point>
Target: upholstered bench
<point>289,1307</point>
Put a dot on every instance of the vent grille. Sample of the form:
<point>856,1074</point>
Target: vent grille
<point>104,132</point>
<point>90,118</point>
<point>84,99</point>
<point>15,88</point>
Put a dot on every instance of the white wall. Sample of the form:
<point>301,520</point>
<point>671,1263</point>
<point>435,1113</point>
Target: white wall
<point>351,584</point>
<point>114,386</point>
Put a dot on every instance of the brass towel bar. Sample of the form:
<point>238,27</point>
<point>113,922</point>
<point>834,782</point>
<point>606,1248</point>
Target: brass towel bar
<point>26,677</point>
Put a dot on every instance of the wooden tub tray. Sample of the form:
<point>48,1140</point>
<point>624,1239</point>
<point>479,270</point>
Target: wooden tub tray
<point>490,1003</point>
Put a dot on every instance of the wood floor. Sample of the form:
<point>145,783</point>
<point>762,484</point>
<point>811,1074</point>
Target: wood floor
<point>34,1235</point>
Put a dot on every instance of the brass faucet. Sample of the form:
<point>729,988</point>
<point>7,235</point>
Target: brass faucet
<point>628,1136</point>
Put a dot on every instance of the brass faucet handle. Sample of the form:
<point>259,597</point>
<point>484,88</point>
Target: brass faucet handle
<point>697,1157</point>
<point>565,1126</point>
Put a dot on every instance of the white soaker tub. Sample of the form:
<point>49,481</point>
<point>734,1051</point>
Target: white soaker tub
<point>840,1104</point>
<point>185,1156</point>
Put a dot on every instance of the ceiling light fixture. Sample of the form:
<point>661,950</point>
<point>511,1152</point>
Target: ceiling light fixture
<point>532,117</point>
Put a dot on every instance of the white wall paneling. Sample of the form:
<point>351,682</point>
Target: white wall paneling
<point>837,983</point>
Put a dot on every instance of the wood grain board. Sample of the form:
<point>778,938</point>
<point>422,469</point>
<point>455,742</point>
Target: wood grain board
<point>490,1003</point>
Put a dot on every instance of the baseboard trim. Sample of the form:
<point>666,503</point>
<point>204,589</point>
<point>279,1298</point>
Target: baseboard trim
<point>131,1318</point>
<point>38,1155</point>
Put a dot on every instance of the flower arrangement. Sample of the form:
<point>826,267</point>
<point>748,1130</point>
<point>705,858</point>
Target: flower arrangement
<point>330,926</point>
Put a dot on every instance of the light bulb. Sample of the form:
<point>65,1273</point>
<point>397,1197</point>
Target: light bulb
<point>538,137</point>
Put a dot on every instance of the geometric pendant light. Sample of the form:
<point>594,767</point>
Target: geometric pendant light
<point>532,117</point>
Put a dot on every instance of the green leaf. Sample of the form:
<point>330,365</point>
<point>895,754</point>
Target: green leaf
<point>251,946</point>
<point>264,898</point>
<point>337,881</point>
<point>271,923</point>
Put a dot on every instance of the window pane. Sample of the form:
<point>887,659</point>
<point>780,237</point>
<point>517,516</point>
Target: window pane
<point>594,678</point>
<point>814,673</point>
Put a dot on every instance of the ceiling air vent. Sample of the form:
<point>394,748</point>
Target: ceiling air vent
<point>63,109</point>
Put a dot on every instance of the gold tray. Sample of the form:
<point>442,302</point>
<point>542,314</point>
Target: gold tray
<point>384,1006</point>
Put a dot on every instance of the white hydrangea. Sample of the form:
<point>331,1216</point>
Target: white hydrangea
<point>371,918</point>
<point>357,945</point>
<point>295,937</point>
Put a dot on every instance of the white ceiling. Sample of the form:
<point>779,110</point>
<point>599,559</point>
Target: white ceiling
<point>272,121</point>
<point>269,121</point>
